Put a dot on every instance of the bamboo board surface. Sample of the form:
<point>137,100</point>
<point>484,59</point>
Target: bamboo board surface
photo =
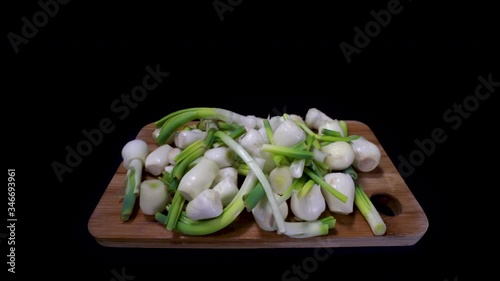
<point>405,227</point>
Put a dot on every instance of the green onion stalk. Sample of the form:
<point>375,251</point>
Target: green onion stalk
<point>307,229</point>
<point>188,226</point>
<point>279,160</point>
<point>250,191</point>
<point>169,124</point>
<point>344,127</point>
<point>319,180</point>
<point>330,135</point>
<point>305,188</point>
<point>249,160</point>
<point>134,155</point>
<point>196,150</point>
<point>294,153</point>
<point>132,181</point>
<point>296,229</point>
<point>369,212</point>
<point>253,198</point>
<point>295,186</point>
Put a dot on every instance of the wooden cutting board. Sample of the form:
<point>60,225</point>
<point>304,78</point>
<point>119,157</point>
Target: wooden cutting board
<point>406,221</point>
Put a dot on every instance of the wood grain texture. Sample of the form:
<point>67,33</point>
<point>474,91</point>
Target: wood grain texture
<point>405,228</point>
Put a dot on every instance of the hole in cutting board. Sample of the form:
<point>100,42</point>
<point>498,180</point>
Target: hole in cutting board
<point>386,204</point>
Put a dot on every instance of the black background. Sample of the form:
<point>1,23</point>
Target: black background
<point>262,58</point>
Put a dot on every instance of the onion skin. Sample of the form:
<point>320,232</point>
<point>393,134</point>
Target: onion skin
<point>157,160</point>
<point>154,197</point>
<point>206,205</point>
<point>309,207</point>
<point>345,184</point>
<point>134,149</point>
<point>263,214</point>
<point>288,134</point>
<point>340,155</point>
<point>198,179</point>
<point>333,125</point>
<point>367,155</point>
